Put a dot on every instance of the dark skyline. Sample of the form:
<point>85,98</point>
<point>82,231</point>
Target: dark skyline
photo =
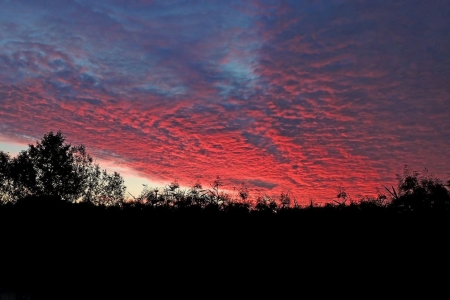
<point>300,96</point>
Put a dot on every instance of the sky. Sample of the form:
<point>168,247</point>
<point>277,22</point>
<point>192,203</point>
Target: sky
<point>284,96</point>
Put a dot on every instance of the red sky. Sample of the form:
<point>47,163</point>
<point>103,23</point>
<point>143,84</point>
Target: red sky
<point>298,96</point>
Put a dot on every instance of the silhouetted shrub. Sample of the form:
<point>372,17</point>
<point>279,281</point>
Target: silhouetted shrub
<point>420,192</point>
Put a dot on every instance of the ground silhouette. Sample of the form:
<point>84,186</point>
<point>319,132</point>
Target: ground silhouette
<point>202,242</point>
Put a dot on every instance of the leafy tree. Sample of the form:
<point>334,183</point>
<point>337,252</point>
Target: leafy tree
<point>103,188</point>
<point>5,181</point>
<point>266,204</point>
<point>55,168</point>
<point>243,192</point>
<point>285,200</point>
<point>197,195</point>
<point>214,192</point>
<point>172,192</point>
<point>420,192</point>
<point>149,196</point>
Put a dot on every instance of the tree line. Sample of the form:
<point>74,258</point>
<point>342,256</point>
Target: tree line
<point>67,231</point>
<point>56,169</point>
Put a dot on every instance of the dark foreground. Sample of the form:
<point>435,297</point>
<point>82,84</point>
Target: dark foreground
<point>68,251</point>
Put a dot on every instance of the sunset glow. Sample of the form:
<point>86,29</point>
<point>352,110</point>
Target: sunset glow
<point>284,96</point>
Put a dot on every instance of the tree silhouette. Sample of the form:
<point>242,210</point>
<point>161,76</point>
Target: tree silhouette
<point>190,227</point>
<point>55,168</point>
<point>217,197</point>
<point>419,192</point>
<point>5,180</point>
<point>102,188</point>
